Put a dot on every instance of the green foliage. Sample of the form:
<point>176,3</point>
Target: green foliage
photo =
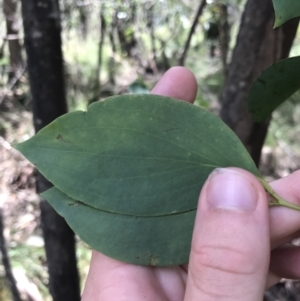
<point>275,85</point>
<point>128,173</point>
<point>136,143</point>
<point>285,10</point>
<point>154,240</point>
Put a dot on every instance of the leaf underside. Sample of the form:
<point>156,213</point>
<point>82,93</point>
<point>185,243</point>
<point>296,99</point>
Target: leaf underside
<point>275,85</point>
<point>155,241</point>
<point>285,10</point>
<point>132,168</point>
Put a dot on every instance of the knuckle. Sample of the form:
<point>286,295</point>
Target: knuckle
<point>223,259</point>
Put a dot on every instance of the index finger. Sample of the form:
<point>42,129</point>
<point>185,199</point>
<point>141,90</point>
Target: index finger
<point>284,222</point>
<point>177,82</point>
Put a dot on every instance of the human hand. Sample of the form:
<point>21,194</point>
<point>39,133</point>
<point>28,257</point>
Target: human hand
<point>233,235</point>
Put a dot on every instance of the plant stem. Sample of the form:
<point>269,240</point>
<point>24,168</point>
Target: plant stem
<point>276,199</point>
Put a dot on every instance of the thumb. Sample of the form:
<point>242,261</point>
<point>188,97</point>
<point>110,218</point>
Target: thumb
<point>229,258</point>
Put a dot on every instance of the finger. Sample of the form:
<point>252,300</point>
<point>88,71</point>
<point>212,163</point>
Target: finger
<point>229,259</point>
<point>285,262</point>
<point>290,271</point>
<point>284,222</point>
<point>110,280</point>
<point>177,82</point>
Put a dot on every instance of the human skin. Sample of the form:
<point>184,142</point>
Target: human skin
<point>239,248</point>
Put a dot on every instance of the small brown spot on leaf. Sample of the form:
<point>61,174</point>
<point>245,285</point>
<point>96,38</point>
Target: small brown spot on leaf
<point>152,260</point>
<point>74,204</point>
<point>59,137</point>
<point>262,81</point>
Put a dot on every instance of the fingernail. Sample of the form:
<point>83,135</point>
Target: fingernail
<point>231,190</point>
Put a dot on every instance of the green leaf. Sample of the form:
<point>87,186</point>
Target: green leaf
<point>275,85</point>
<point>285,10</point>
<point>156,241</point>
<point>140,155</point>
<point>128,172</point>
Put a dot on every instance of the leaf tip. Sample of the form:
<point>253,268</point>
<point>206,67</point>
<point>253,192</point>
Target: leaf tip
<point>277,24</point>
<point>45,194</point>
<point>15,146</point>
<point>278,20</point>
<point>18,146</point>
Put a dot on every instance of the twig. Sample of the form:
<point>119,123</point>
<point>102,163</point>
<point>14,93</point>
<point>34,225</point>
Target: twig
<point>192,30</point>
<point>12,83</point>
<point>98,83</point>
<point>6,263</point>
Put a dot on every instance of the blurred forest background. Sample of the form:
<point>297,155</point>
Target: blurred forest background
<point>61,55</point>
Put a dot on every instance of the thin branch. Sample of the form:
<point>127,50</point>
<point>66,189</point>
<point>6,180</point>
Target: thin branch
<point>192,31</point>
<point>12,83</point>
<point>6,263</point>
<point>100,53</point>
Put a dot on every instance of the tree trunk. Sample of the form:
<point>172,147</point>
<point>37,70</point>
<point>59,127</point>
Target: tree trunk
<point>128,41</point>
<point>150,25</point>
<point>83,18</point>
<point>224,35</point>
<point>12,35</point>
<point>258,46</point>
<point>45,66</point>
